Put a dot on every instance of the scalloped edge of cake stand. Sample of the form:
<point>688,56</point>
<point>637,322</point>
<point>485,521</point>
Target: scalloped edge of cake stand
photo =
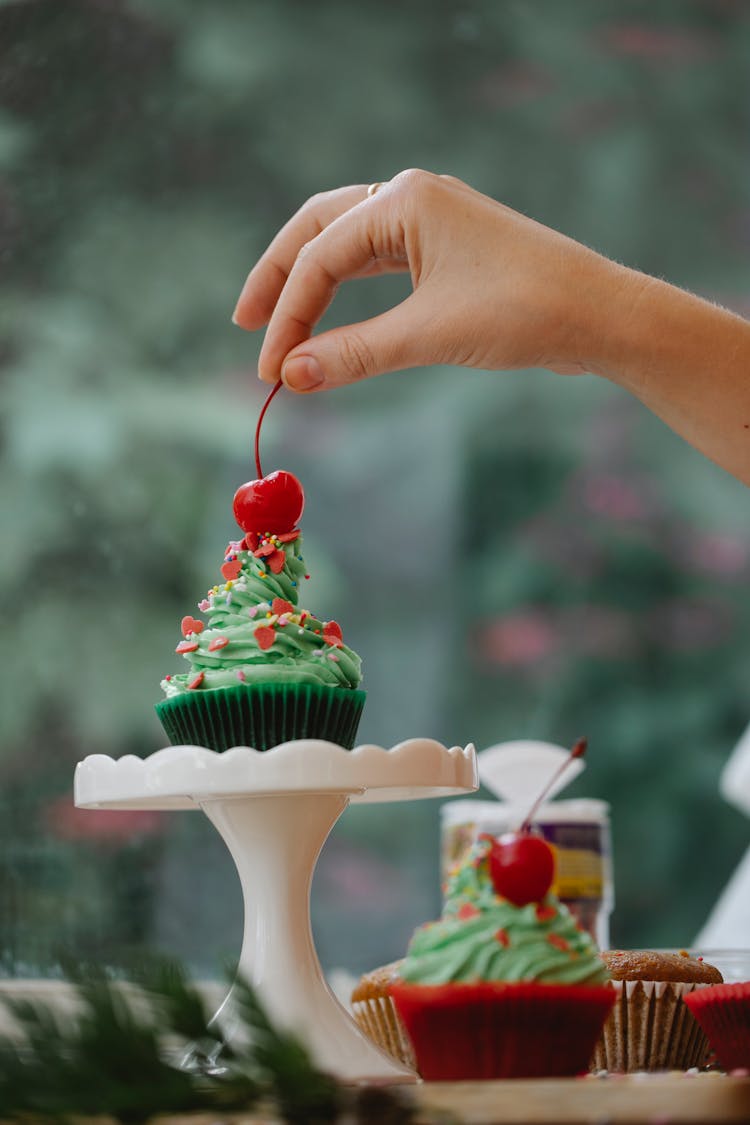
<point>182,777</point>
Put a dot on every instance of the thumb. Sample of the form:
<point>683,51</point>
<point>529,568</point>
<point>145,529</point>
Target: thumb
<point>389,342</point>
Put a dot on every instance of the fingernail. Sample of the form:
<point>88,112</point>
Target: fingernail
<point>302,373</point>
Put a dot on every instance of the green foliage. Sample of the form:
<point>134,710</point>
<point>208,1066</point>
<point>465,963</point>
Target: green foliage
<point>118,1057</point>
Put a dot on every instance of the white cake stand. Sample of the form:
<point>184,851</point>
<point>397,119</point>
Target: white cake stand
<point>274,811</point>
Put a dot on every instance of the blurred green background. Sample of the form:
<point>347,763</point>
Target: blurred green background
<point>513,555</point>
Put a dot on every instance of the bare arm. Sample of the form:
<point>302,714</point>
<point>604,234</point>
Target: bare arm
<point>494,289</point>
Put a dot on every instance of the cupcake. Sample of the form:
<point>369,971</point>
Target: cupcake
<point>262,670</point>
<point>374,1011</point>
<point>506,984</point>
<point>650,1026</point>
<point>723,1012</point>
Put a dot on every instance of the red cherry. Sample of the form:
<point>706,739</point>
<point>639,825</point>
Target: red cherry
<point>272,504</point>
<point>522,867</point>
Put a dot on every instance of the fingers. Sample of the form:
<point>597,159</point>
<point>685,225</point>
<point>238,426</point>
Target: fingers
<point>268,277</point>
<point>393,341</point>
<point>368,238</point>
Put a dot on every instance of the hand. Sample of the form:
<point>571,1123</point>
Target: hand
<point>491,288</point>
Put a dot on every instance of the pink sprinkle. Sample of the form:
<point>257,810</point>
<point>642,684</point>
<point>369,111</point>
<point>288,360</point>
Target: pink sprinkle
<point>252,611</point>
<point>284,619</point>
<point>333,656</point>
<point>204,605</point>
<point>240,675</point>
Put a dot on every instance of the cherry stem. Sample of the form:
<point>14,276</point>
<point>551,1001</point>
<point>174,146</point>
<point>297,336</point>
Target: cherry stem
<point>577,752</point>
<point>276,387</point>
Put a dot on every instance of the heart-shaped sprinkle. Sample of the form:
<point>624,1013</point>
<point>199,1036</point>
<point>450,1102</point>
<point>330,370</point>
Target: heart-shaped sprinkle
<point>217,643</point>
<point>276,561</point>
<point>332,634</point>
<point>280,605</point>
<point>196,683</point>
<point>189,625</point>
<point>545,913</point>
<point>265,636</point>
<point>187,646</point>
<point>231,569</point>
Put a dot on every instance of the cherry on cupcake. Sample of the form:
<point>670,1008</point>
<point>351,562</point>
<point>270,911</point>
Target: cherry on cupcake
<point>272,503</point>
<point>522,865</point>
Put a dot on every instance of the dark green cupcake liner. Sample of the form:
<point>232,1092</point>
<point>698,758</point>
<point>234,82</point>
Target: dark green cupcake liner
<point>262,715</point>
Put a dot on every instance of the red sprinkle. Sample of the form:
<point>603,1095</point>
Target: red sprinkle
<point>332,634</point>
<point>557,941</point>
<point>218,642</point>
<point>288,536</point>
<point>276,561</point>
<point>196,683</point>
<point>545,913</point>
<point>230,570</point>
<point>187,646</point>
<point>280,605</point>
<point>467,911</point>
<point>190,625</point>
<point>502,937</point>
<point>265,636</point>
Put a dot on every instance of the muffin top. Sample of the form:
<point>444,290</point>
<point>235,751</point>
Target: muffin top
<point>484,937</point>
<point>636,964</point>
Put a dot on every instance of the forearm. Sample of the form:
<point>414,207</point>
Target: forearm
<point>687,360</point>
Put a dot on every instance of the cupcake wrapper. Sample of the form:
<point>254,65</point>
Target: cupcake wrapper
<point>484,1031</point>
<point>723,1011</point>
<point>379,1020</point>
<point>651,1028</point>
<point>262,715</point>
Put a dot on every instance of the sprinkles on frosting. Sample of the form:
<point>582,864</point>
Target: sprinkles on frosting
<point>276,625</point>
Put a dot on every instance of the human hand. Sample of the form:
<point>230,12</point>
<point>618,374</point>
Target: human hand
<point>491,287</point>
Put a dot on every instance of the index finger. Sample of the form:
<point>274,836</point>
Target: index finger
<point>367,239</point>
<point>269,275</point>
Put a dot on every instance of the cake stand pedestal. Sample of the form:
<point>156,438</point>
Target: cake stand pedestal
<point>274,811</point>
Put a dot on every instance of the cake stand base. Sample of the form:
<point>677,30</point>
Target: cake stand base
<point>274,811</point>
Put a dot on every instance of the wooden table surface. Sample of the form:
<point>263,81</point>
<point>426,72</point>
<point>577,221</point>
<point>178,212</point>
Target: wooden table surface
<point>628,1099</point>
<point>643,1099</point>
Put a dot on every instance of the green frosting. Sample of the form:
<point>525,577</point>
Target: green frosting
<point>483,937</point>
<point>256,633</point>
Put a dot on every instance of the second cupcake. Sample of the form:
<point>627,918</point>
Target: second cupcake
<point>506,984</point>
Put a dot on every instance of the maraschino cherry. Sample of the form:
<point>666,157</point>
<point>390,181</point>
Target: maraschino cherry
<point>522,866</point>
<point>268,504</point>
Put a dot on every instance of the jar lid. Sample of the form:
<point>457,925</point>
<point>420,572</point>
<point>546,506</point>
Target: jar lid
<point>498,816</point>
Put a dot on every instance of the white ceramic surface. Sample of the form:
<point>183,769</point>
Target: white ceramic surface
<point>274,811</point>
<point>180,777</point>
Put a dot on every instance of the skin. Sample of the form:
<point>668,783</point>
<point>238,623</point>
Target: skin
<point>493,289</point>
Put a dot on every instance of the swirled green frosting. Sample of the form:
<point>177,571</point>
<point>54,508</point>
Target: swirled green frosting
<point>255,631</point>
<point>483,937</point>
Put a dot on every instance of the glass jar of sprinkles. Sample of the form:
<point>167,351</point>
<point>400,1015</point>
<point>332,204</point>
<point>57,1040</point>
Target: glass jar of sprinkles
<point>579,834</point>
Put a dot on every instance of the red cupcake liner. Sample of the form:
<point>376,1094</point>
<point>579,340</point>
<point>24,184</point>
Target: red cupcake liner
<point>501,1030</point>
<point>723,1011</point>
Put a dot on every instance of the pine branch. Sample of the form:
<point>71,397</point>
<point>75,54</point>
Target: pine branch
<point>110,1058</point>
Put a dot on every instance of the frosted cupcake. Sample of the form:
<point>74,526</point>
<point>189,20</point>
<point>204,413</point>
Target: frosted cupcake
<point>501,988</point>
<point>262,670</point>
